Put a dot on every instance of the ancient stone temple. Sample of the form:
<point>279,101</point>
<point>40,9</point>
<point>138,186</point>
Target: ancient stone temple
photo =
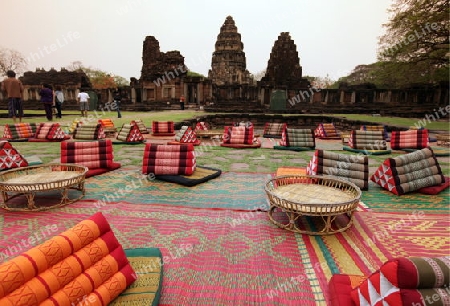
<point>164,78</point>
<point>70,82</point>
<point>283,78</point>
<point>161,73</point>
<point>229,76</point>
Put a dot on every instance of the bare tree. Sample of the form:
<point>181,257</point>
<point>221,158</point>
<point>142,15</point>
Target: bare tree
<point>75,65</point>
<point>12,60</point>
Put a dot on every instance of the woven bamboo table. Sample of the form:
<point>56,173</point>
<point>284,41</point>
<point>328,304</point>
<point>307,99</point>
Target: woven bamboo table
<point>110,132</point>
<point>214,133</point>
<point>443,140</point>
<point>29,181</point>
<point>209,133</point>
<point>295,196</point>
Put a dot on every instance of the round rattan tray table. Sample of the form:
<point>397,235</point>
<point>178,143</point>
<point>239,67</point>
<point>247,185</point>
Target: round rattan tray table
<point>328,198</point>
<point>29,181</point>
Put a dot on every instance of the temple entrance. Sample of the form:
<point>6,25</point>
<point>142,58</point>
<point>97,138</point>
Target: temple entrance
<point>278,100</point>
<point>93,100</point>
<point>192,94</point>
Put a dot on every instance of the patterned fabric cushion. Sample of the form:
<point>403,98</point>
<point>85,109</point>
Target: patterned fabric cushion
<point>409,172</point>
<point>238,135</point>
<point>406,281</point>
<point>76,123</point>
<point>186,135</point>
<point>298,138</point>
<point>411,139</point>
<point>354,168</point>
<point>166,128</point>
<point>381,128</point>
<point>162,159</point>
<point>130,133</point>
<point>85,262</point>
<point>106,123</point>
<point>201,126</point>
<point>89,131</point>
<point>141,126</point>
<point>367,140</point>
<point>19,130</point>
<point>274,130</point>
<point>340,287</point>
<point>437,188</point>
<point>326,130</point>
<point>200,175</point>
<point>96,155</point>
<point>50,131</point>
<point>10,157</point>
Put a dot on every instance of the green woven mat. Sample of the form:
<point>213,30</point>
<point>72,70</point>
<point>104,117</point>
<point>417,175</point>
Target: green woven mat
<point>146,290</point>
<point>379,199</point>
<point>230,190</point>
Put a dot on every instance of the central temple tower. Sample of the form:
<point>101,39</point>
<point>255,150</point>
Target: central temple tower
<point>228,66</point>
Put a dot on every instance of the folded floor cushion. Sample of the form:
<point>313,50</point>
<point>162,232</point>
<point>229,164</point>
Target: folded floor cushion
<point>49,132</point>
<point>85,262</point>
<point>130,133</point>
<point>367,140</point>
<point>273,130</point>
<point>200,175</point>
<point>186,135</point>
<point>400,281</point>
<point>160,159</point>
<point>409,172</point>
<point>238,135</point>
<point>98,155</point>
<point>353,168</point>
<point>163,128</point>
<point>89,131</point>
<point>436,189</point>
<point>19,131</point>
<point>298,138</point>
<point>411,139</point>
<point>326,131</point>
<point>10,158</point>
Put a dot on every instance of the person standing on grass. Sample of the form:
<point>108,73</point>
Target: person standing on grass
<point>59,99</point>
<point>83,100</point>
<point>117,100</point>
<point>13,90</point>
<point>48,99</point>
<point>182,102</point>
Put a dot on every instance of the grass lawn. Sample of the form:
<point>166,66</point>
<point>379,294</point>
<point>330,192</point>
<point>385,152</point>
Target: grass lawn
<point>262,160</point>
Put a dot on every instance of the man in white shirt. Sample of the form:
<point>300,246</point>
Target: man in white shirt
<point>83,99</point>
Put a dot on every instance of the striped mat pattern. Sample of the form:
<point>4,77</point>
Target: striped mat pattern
<point>232,257</point>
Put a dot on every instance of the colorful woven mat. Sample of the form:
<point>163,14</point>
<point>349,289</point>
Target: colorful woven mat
<point>211,257</point>
<point>376,237</point>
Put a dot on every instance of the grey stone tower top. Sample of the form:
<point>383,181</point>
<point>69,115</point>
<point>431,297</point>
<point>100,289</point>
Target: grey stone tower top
<point>284,67</point>
<point>228,65</point>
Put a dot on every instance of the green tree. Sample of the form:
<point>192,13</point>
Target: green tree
<point>417,34</point>
<point>99,78</point>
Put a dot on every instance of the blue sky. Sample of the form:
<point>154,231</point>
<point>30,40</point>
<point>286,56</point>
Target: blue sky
<point>332,36</point>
